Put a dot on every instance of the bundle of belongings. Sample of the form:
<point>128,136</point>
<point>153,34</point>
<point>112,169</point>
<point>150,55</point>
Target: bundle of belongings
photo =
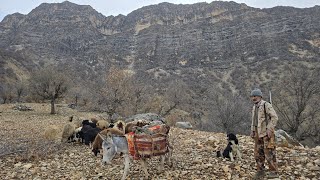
<point>148,141</point>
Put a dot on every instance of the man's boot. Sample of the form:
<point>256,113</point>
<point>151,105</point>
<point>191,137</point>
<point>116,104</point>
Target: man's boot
<point>273,174</point>
<point>259,175</point>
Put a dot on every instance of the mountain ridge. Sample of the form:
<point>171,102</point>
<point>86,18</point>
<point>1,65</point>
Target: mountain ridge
<point>219,36</point>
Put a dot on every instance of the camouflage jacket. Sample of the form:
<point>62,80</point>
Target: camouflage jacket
<point>263,125</point>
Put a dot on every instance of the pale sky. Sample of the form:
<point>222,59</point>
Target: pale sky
<point>115,7</point>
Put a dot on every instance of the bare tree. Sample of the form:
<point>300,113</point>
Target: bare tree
<point>6,93</point>
<point>231,113</point>
<point>226,111</point>
<point>137,98</point>
<point>296,98</point>
<point>116,91</point>
<point>20,88</point>
<point>49,85</point>
<point>175,96</point>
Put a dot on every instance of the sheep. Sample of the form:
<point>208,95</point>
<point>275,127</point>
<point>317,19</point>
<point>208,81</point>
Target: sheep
<point>52,132</point>
<point>102,124</point>
<point>97,143</point>
<point>68,133</point>
<point>75,120</point>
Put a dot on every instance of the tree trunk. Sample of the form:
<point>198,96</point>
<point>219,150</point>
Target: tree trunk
<point>76,100</point>
<point>52,106</point>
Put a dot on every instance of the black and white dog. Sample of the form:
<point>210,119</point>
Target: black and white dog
<point>232,148</point>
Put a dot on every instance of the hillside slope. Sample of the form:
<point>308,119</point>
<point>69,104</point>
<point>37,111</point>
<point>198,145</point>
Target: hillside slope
<point>193,154</point>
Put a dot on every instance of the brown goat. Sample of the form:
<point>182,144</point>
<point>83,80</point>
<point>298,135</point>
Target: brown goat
<point>97,143</point>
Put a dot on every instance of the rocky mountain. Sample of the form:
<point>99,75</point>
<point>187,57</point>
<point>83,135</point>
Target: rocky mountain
<point>182,40</point>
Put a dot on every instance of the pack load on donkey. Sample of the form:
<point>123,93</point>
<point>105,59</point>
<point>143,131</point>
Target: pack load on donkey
<point>141,143</point>
<point>148,141</point>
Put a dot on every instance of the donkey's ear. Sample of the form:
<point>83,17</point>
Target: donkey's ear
<point>103,137</point>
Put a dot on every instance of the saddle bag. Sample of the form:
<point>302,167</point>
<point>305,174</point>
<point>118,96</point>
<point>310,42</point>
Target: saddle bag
<point>147,145</point>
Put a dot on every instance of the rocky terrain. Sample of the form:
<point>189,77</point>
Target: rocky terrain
<point>24,154</point>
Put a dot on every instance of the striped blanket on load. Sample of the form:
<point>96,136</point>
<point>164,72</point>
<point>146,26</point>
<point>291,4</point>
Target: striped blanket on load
<point>147,145</point>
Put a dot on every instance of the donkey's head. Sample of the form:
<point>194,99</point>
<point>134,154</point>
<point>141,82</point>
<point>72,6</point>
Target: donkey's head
<point>109,148</point>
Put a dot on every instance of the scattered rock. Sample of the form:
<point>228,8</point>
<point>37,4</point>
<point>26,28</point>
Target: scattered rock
<point>184,125</point>
<point>28,166</point>
<point>22,108</point>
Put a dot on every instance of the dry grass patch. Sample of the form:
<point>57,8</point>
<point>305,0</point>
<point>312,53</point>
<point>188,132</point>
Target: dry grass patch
<point>22,132</point>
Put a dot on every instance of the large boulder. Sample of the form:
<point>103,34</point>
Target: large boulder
<point>184,125</point>
<point>283,139</point>
<point>145,116</point>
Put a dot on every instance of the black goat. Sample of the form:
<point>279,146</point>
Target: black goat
<point>88,133</point>
<point>90,123</point>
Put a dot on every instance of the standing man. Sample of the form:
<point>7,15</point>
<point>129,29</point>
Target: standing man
<point>264,120</point>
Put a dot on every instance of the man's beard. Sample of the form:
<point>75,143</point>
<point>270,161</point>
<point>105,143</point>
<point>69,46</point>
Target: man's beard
<point>256,101</point>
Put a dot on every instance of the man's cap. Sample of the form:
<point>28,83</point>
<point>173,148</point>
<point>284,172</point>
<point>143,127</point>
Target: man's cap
<point>256,92</point>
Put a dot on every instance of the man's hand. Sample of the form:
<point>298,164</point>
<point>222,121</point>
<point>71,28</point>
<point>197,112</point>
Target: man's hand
<point>269,133</point>
<point>253,133</point>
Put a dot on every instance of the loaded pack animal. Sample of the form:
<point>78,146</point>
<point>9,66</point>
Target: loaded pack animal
<point>232,148</point>
<point>137,146</point>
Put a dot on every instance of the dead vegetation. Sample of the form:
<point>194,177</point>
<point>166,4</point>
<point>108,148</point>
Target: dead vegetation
<point>22,132</point>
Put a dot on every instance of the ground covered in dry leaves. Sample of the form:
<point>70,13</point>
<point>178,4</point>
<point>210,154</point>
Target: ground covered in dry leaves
<point>24,154</point>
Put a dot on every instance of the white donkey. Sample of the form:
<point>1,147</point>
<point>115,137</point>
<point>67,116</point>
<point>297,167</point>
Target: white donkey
<point>113,144</point>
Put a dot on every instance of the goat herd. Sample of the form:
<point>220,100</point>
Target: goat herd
<point>136,139</point>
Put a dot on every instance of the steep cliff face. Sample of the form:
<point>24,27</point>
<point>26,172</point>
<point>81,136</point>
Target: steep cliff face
<point>193,42</point>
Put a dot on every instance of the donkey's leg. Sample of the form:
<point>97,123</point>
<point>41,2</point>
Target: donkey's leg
<point>144,166</point>
<point>126,166</point>
<point>168,159</point>
<point>239,154</point>
<point>162,158</point>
